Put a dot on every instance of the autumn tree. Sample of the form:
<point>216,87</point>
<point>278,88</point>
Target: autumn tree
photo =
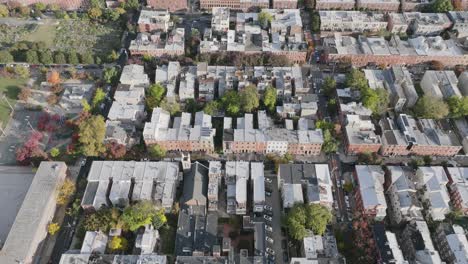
<point>91,135</point>
<point>65,192</point>
<point>118,243</point>
<point>31,149</point>
<point>52,99</point>
<point>54,78</point>
<point>115,150</point>
<point>54,152</point>
<point>53,228</point>
<point>24,94</point>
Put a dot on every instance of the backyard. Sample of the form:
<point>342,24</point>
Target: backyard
<point>65,35</point>
<point>10,88</point>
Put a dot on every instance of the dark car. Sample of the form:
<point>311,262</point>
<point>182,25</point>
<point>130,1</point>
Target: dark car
<point>285,257</point>
<point>283,244</point>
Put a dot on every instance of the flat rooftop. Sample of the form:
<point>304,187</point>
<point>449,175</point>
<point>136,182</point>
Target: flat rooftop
<point>15,182</point>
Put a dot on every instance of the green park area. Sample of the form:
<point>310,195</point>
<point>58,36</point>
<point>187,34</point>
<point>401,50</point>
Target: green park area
<point>10,88</point>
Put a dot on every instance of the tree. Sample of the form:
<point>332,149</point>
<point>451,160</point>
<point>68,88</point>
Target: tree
<point>138,215</point>
<point>458,106</point>
<point>94,13</point>
<point>99,97</point>
<point>441,6</point>
<point>85,105</point>
<point>211,107</point>
<point>53,228</point>
<point>46,57</point>
<point>31,149</point>
<point>156,151</point>
<point>115,150</point>
<point>172,107</point>
<point>249,98</point>
<point>52,99</point>
<point>231,103</point>
<point>65,192</point>
<point>118,243</point>
<point>24,11</point>
<point>5,56</point>
<point>91,135</point>
<point>155,95</point>
<point>53,7</point>
<point>4,12</point>
<point>111,75</point>
<point>131,4</point>
<point>24,94</point>
<point>21,71</point>
<point>330,145</point>
<point>264,18</point>
<point>430,107</point>
<point>73,58</point>
<point>269,98</point>
<point>303,217</point>
<point>356,80</point>
<point>87,58</point>
<point>112,14</point>
<point>54,78</point>
<point>376,100</point>
<point>315,21</point>
<point>54,152</point>
<point>32,57</point>
<point>59,58</point>
<point>40,6</point>
<point>329,86</point>
<point>102,220</point>
<point>113,56</point>
<point>348,187</point>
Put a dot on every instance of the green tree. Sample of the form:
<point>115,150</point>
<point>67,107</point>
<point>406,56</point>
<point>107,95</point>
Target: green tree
<point>73,58</point>
<point>94,13</point>
<point>458,106</point>
<point>46,57</point>
<point>172,107</point>
<point>264,18</point>
<point>348,187</point>
<point>329,86</point>
<point>4,12</point>
<point>65,192</point>
<point>249,99</point>
<point>356,80</point>
<point>231,103</point>
<point>155,95</point>
<point>376,100</point>
<point>211,107</point>
<point>40,6</point>
<point>430,107</point>
<point>32,57</point>
<point>112,14</point>
<point>53,228</point>
<point>102,220</point>
<point>269,99</point>
<point>118,243</point>
<point>113,56</point>
<point>315,21</point>
<point>156,151</point>
<point>85,105</point>
<point>59,58</point>
<point>98,99</point>
<point>111,75</point>
<point>5,56</point>
<point>91,135</point>
<point>87,58</point>
<point>131,4</point>
<point>330,145</point>
<point>138,215</point>
<point>303,217</point>
<point>53,7</point>
<point>23,11</point>
<point>441,6</point>
<point>21,71</point>
<point>54,152</point>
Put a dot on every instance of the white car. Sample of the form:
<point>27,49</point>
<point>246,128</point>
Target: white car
<point>268,208</point>
<point>268,180</point>
<point>269,240</point>
<point>268,228</point>
<point>270,251</point>
<point>268,218</point>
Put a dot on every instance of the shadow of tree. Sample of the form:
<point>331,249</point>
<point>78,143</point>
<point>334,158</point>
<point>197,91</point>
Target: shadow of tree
<point>12,92</point>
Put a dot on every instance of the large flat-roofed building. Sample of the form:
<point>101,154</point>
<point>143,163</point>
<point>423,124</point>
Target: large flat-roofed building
<point>401,192</point>
<point>351,21</point>
<point>427,24</point>
<point>369,196</point>
<point>440,84</point>
<point>335,4</point>
<point>397,81</point>
<point>32,212</point>
<point>378,5</point>
<point>283,36</point>
<point>237,176</point>
<point>360,135</point>
<point>313,178</point>
<point>123,181</point>
<point>364,50</point>
<point>433,180</point>
<point>151,20</point>
<point>257,175</point>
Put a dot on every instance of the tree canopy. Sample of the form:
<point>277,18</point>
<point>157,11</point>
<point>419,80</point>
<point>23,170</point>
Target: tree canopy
<point>91,135</point>
<point>458,106</point>
<point>211,107</point>
<point>66,190</point>
<point>98,98</point>
<point>156,151</point>
<point>441,6</point>
<point>141,214</point>
<point>430,107</point>
<point>249,98</point>
<point>155,95</point>
<point>303,217</point>
<point>329,85</point>
<point>269,98</point>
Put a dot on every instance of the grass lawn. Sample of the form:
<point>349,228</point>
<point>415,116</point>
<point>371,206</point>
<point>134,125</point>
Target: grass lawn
<point>11,88</point>
<point>44,33</point>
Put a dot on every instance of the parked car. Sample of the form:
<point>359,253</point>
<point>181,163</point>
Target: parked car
<point>267,207</point>
<point>268,218</point>
<point>270,213</point>
<point>270,251</point>
<point>267,193</point>
<point>268,180</point>
<point>270,240</point>
<point>285,257</point>
<point>268,228</point>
